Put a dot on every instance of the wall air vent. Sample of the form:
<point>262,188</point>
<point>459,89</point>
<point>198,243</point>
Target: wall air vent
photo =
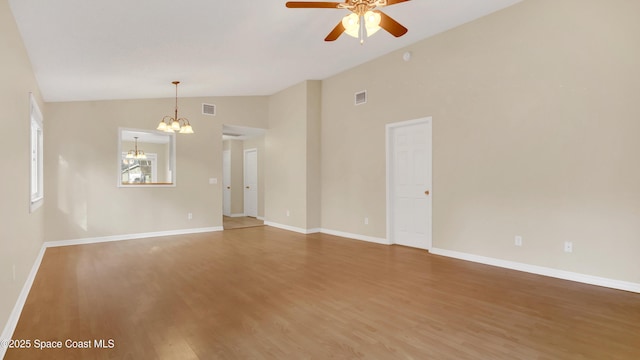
<point>361,97</point>
<point>209,109</point>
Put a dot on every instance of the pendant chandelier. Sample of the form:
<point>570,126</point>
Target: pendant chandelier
<point>136,154</point>
<point>173,124</point>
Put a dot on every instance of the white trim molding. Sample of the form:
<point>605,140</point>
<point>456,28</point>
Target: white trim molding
<point>102,239</point>
<point>356,236</point>
<point>236,215</point>
<point>292,228</point>
<point>366,238</point>
<point>541,270</point>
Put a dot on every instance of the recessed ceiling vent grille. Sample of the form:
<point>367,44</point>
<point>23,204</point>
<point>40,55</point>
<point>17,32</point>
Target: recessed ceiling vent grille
<point>361,97</point>
<point>209,109</point>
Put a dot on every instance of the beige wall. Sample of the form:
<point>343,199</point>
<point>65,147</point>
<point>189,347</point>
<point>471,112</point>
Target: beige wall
<point>21,233</point>
<point>81,167</point>
<point>288,159</point>
<point>314,103</point>
<point>535,134</point>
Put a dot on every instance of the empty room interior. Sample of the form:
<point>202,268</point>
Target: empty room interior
<point>469,189</point>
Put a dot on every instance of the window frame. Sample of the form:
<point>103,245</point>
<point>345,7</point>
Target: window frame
<point>171,161</point>
<point>36,155</point>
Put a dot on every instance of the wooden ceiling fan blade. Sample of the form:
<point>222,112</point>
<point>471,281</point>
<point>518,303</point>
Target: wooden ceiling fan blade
<point>335,33</point>
<point>312,5</point>
<point>393,2</point>
<point>392,26</point>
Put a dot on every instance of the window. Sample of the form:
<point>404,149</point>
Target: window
<point>37,154</point>
<point>146,158</point>
<point>139,171</point>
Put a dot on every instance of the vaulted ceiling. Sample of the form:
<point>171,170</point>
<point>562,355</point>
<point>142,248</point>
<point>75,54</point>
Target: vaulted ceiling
<point>123,49</point>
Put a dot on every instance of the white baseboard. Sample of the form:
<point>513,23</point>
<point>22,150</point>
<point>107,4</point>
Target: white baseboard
<point>260,218</point>
<point>12,322</point>
<point>534,269</point>
<point>237,215</point>
<point>329,232</point>
<point>356,236</point>
<point>541,270</point>
<point>101,239</point>
<point>291,228</point>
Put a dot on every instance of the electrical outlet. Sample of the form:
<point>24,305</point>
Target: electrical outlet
<point>189,216</point>
<point>288,213</point>
<point>518,240</point>
<point>366,221</point>
<point>568,246</point>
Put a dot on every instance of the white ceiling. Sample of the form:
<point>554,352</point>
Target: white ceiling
<point>125,49</point>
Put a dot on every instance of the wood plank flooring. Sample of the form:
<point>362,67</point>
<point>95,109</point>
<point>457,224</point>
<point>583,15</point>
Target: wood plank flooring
<point>230,223</point>
<point>265,293</point>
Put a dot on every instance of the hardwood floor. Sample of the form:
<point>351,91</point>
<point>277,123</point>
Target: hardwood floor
<point>229,223</point>
<point>265,293</point>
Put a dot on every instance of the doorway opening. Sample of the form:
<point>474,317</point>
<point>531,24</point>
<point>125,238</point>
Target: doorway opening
<point>242,185</point>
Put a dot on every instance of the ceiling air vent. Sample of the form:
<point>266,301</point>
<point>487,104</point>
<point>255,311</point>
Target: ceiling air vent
<point>209,109</point>
<point>361,97</point>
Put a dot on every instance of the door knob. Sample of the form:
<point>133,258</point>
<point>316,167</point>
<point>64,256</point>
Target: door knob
<point>427,192</point>
<point>228,187</point>
<point>247,187</point>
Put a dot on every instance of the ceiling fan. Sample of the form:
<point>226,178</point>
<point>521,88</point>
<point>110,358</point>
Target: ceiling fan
<point>363,21</point>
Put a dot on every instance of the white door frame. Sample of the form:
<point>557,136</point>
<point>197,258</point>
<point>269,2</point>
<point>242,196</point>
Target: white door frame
<point>226,192</point>
<point>390,195</point>
<point>244,175</point>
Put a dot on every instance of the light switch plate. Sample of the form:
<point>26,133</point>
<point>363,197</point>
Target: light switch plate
<point>213,181</point>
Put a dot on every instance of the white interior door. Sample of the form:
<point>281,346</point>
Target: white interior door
<point>226,182</point>
<point>409,183</point>
<point>251,182</point>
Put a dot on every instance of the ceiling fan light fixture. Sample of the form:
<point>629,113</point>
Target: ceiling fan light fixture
<point>372,22</point>
<point>364,20</point>
<point>351,25</point>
